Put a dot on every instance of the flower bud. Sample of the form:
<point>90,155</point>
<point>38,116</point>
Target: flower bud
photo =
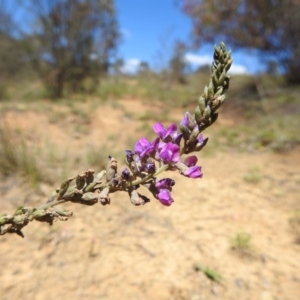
<point>5,219</point>
<point>136,198</point>
<point>185,131</point>
<point>129,156</point>
<point>40,213</point>
<point>20,220</point>
<point>89,197</point>
<point>99,176</point>
<point>194,135</point>
<point>63,188</point>
<point>125,174</point>
<point>199,115</point>
<point>63,212</point>
<point>73,194</point>
<point>222,78</point>
<point>207,112</point>
<point>89,176</point>
<point>201,104</point>
<point>20,211</point>
<point>205,92</point>
<point>103,197</point>
<point>111,169</point>
<point>80,181</point>
<point>53,196</point>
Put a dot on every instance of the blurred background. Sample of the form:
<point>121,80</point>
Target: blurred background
<point>84,79</point>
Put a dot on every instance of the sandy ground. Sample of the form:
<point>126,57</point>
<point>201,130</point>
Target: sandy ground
<point>126,252</point>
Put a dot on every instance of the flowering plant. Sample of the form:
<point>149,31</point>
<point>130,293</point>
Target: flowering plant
<point>144,164</point>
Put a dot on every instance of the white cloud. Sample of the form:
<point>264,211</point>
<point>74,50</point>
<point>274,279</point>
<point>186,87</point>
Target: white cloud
<point>131,66</point>
<point>200,60</point>
<point>238,69</point>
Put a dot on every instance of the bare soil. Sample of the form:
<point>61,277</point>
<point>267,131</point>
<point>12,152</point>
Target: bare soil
<point>149,252</point>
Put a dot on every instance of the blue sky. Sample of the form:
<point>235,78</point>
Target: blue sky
<point>150,29</point>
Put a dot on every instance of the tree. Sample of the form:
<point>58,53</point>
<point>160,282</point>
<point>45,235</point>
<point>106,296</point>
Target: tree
<point>144,68</point>
<point>118,66</point>
<point>72,40</point>
<point>12,57</point>
<point>270,26</point>
<point>177,63</point>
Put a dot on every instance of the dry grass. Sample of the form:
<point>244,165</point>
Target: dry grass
<point>17,156</point>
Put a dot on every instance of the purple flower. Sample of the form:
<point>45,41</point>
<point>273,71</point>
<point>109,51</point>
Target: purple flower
<point>142,146</point>
<point>165,197</point>
<point>165,183</point>
<point>189,169</point>
<point>145,148</point>
<point>170,153</point>
<point>161,190</point>
<point>166,135</point>
<point>193,172</point>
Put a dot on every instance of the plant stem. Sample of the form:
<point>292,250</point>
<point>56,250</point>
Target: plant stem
<point>146,178</point>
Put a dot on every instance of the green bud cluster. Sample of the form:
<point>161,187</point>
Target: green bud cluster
<point>88,190</point>
<point>24,215</point>
<point>214,94</point>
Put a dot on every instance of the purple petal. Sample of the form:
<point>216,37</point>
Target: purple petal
<point>129,156</point>
<point>177,139</point>
<point>141,145</point>
<point>201,142</point>
<point>193,172</point>
<point>185,120</point>
<point>155,144</point>
<point>160,130</point>
<point>170,153</point>
<point>152,148</point>
<point>190,161</point>
<point>165,197</point>
<point>144,142</point>
<point>125,174</point>
<point>171,131</point>
<point>161,145</point>
<point>129,153</point>
<point>200,138</point>
<point>166,135</point>
<point>149,167</point>
<point>165,183</point>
